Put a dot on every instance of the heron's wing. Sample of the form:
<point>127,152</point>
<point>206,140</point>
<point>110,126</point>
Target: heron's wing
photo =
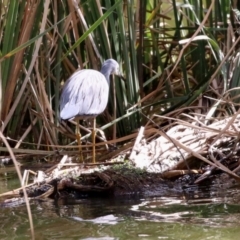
<point>84,94</point>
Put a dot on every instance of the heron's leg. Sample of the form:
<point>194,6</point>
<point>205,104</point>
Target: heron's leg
<point>94,139</point>
<point>78,137</point>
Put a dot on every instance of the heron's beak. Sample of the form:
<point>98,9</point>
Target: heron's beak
<point>121,76</point>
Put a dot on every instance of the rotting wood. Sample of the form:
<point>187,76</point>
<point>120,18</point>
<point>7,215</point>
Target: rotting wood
<point>183,141</point>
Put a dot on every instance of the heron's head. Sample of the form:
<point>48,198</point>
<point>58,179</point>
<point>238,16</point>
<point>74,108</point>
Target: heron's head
<point>110,66</point>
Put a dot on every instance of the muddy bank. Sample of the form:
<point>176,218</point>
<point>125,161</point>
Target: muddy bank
<point>125,181</point>
<point>118,180</point>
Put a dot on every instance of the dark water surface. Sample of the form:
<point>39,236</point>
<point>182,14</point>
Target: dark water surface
<point>194,214</point>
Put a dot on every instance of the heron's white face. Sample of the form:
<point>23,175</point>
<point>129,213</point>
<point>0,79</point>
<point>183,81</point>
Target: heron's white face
<point>110,66</point>
<point>116,71</point>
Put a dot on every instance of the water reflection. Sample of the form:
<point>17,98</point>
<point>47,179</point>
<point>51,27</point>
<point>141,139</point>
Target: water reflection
<point>108,219</point>
<point>195,215</point>
<point>191,213</point>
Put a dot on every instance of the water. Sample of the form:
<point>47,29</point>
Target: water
<point>149,218</point>
<point>197,214</point>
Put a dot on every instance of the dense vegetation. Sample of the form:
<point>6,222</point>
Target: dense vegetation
<point>180,60</point>
<point>177,57</point>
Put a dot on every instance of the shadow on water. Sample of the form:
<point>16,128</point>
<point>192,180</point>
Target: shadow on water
<point>195,213</point>
<point>174,217</point>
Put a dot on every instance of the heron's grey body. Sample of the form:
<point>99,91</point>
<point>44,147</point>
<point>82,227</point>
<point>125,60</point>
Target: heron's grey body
<point>85,94</point>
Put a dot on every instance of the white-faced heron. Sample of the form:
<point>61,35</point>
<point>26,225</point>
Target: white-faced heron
<point>85,95</point>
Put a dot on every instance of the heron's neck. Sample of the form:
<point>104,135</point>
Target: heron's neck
<point>106,73</point>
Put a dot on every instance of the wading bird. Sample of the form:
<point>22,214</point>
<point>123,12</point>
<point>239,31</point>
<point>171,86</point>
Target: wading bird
<point>85,95</point>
